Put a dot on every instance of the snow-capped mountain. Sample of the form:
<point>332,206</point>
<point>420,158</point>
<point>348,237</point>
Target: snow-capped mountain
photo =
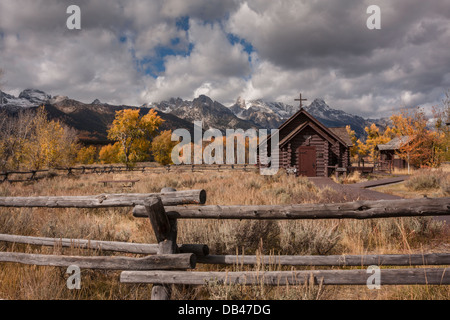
<point>212,113</point>
<point>273,114</point>
<point>182,113</point>
<point>268,115</point>
<point>337,118</point>
<point>27,99</point>
<point>91,121</point>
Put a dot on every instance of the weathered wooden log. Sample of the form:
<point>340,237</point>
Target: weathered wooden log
<point>175,198</point>
<point>167,246</point>
<point>423,276</point>
<point>158,218</point>
<point>105,200</point>
<point>199,250</point>
<point>126,247</point>
<point>335,260</point>
<point>351,210</point>
<point>166,235</point>
<point>157,262</point>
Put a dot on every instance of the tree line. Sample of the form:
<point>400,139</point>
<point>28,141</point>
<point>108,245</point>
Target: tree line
<point>30,141</point>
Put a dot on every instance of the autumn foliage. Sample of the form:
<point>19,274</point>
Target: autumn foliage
<point>423,145</point>
<point>29,140</point>
<point>133,134</point>
<point>87,155</point>
<point>162,146</point>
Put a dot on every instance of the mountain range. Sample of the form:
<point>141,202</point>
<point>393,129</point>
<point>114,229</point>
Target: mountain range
<point>92,119</point>
<point>259,114</point>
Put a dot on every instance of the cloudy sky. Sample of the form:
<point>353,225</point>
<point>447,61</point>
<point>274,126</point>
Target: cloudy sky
<point>136,51</point>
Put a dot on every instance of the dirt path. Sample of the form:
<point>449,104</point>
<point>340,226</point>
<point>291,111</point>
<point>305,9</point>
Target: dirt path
<point>351,192</point>
<point>381,182</point>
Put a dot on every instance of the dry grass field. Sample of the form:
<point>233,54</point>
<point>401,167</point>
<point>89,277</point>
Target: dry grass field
<point>381,236</point>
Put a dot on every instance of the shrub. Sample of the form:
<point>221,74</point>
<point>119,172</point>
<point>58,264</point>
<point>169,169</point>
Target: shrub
<point>445,185</point>
<point>308,237</point>
<point>426,179</point>
<point>87,155</point>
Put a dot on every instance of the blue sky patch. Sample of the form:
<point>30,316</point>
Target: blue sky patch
<point>155,65</point>
<point>183,23</point>
<point>233,39</point>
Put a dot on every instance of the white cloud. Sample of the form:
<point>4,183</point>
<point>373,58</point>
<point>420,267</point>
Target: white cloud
<point>214,67</point>
<point>64,66</point>
<point>319,48</point>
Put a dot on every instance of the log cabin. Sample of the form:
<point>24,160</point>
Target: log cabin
<point>389,158</point>
<point>309,148</point>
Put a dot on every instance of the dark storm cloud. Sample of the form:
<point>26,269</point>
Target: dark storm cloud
<point>409,57</point>
<point>328,33</point>
<point>322,48</point>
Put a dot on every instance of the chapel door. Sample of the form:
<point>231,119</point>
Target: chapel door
<point>307,161</point>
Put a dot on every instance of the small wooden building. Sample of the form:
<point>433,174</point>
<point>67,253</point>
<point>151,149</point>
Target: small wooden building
<point>308,148</point>
<point>388,154</point>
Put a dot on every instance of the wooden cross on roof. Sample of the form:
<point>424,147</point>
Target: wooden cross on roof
<point>301,100</point>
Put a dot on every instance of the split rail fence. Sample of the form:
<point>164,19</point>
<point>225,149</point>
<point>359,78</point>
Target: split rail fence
<point>168,263</point>
<point>34,175</point>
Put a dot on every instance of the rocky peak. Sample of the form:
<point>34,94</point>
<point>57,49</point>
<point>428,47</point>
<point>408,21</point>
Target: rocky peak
<point>319,103</point>
<point>241,103</point>
<point>58,99</point>
<point>34,96</point>
<point>202,99</point>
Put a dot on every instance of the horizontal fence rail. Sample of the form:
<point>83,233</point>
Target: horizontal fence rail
<point>116,246</point>
<point>34,175</point>
<point>105,200</point>
<point>202,253</point>
<point>156,262</point>
<point>332,260</point>
<point>424,276</point>
<point>350,210</point>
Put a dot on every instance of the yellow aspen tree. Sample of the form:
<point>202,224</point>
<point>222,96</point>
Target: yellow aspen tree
<point>423,147</point>
<point>49,143</point>
<point>131,130</point>
<point>162,147</point>
<point>354,139</point>
<point>374,138</point>
<point>110,153</point>
<point>87,155</point>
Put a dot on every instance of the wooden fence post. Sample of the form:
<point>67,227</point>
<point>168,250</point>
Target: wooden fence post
<point>166,234</point>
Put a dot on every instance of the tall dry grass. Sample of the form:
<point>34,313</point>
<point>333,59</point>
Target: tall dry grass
<point>382,236</point>
<point>427,179</point>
